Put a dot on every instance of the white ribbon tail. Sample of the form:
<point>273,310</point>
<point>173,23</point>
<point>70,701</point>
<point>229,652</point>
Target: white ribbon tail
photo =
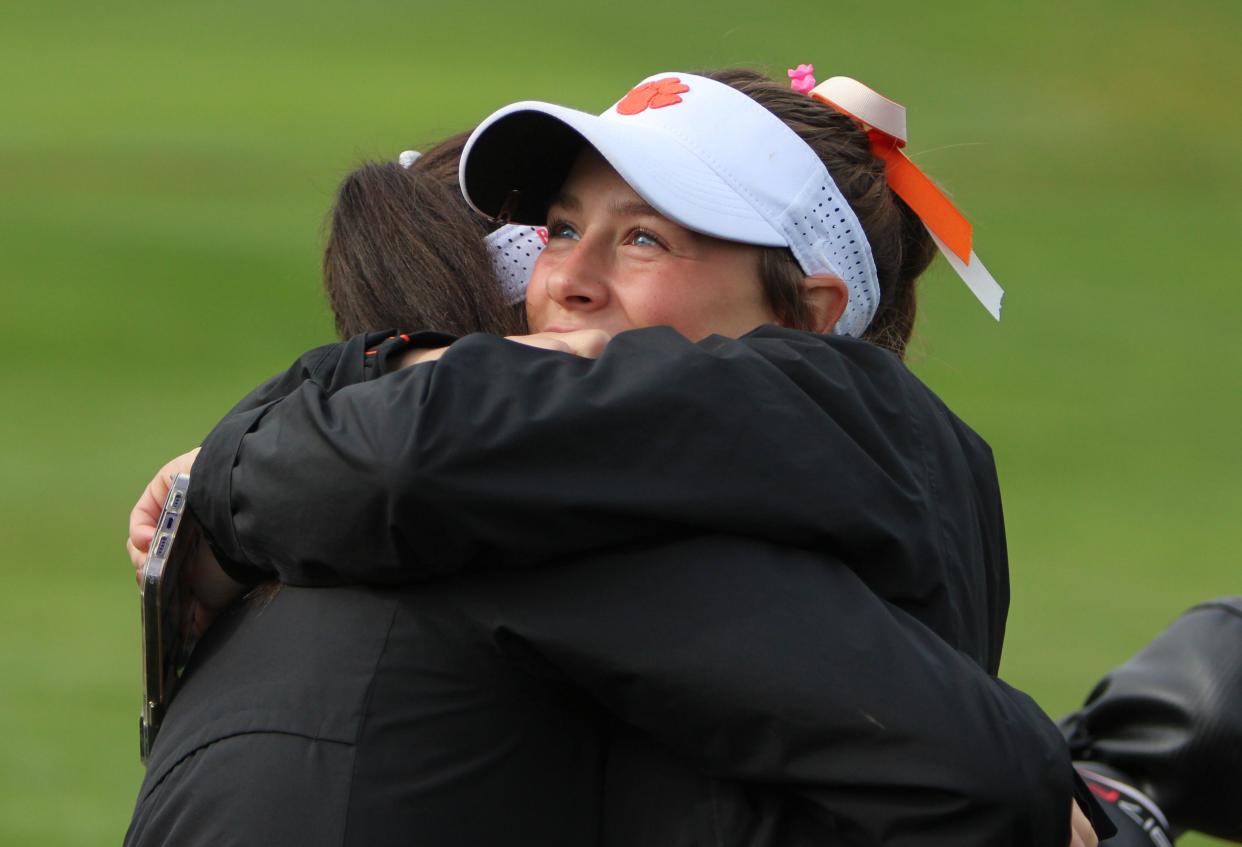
<point>976,277</point>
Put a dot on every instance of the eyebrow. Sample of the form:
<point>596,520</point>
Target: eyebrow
<point>634,208</point>
<point>631,208</point>
<point>566,201</point>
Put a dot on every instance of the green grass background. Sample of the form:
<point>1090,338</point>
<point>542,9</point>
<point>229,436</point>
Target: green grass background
<point>164,173</point>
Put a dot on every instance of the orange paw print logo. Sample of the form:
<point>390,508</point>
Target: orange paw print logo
<point>652,95</point>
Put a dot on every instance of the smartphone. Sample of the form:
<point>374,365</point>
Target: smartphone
<point>166,633</point>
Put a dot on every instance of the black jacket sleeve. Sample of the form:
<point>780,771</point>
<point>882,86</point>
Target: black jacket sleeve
<point>510,455</point>
<point>521,455</point>
<point>328,369</point>
<point>771,665</point>
<point>335,366</point>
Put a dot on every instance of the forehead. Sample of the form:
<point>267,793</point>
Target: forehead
<point>590,178</point>
<point>593,183</point>
<point>593,189</point>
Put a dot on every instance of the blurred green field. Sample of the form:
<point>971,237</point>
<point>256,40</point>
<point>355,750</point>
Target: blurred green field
<point>165,170</point>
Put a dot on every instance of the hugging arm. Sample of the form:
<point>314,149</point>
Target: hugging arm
<point>332,367</point>
<point>900,738</point>
<point>504,454</point>
<point>770,665</point>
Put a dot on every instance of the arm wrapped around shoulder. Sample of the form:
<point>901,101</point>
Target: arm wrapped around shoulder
<point>778,667</point>
<point>501,455</point>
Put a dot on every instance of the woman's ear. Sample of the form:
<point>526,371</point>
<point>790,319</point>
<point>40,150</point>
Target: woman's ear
<point>826,298</point>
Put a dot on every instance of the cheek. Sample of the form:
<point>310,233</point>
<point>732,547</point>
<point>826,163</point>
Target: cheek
<point>687,305</point>
<point>537,293</point>
<point>721,297</point>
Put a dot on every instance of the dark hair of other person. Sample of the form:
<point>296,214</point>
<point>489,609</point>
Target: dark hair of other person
<point>404,251</point>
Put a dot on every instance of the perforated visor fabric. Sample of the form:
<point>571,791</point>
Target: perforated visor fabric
<point>826,238</point>
<point>514,250</point>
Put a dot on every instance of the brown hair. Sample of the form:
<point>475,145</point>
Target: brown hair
<point>405,251</point>
<point>900,244</point>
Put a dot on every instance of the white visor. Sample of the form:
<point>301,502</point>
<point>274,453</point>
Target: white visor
<point>703,154</point>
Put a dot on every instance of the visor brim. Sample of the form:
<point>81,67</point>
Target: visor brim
<point>530,147</point>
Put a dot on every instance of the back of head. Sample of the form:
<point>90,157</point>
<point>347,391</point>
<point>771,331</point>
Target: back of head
<point>900,244</point>
<point>405,251</point>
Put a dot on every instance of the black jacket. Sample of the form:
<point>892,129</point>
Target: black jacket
<point>814,442</point>
<point>502,455</point>
<point>467,712</point>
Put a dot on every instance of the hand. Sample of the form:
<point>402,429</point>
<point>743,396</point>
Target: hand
<point>588,343</point>
<point>1081,833</point>
<point>146,512</point>
<point>209,588</point>
<point>419,355</point>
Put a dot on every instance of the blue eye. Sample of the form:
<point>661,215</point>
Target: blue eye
<point>642,238</point>
<point>559,229</point>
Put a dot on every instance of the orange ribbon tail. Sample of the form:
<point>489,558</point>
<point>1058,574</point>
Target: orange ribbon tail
<point>922,195</point>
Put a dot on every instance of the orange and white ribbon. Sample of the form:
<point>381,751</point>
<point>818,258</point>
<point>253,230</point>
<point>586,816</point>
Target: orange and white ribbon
<point>885,122</point>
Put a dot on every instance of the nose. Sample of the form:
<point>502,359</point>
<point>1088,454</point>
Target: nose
<point>578,279</point>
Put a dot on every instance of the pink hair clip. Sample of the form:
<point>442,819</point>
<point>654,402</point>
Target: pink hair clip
<point>802,78</point>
